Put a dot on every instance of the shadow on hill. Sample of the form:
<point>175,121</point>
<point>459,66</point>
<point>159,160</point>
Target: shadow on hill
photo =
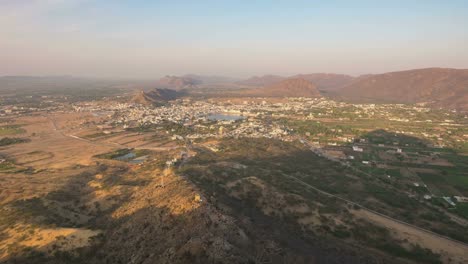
<point>42,225</point>
<point>223,228</point>
<point>210,232</point>
<point>274,162</point>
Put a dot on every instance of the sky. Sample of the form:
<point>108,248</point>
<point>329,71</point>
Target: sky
<point>150,39</point>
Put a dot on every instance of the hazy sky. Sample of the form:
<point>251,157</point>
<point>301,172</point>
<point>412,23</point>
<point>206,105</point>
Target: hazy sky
<point>115,38</point>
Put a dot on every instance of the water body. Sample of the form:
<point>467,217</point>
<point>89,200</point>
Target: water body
<point>127,156</point>
<point>139,160</point>
<point>225,117</point>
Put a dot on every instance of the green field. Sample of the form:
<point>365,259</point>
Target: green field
<point>462,209</point>
<point>10,141</point>
<point>11,130</point>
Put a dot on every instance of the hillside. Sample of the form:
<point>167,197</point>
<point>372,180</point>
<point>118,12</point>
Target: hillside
<point>155,96</point>
<point>437,86</point>
<point>147,193</point>
<point>176,82</point>
<point>327,81</point>
<point>295,87</point>
<point>323,81</point>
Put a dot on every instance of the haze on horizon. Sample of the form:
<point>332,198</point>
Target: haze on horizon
<point>147,39</point>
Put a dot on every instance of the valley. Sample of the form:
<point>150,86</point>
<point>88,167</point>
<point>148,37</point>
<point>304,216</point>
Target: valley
<point>100,180</point>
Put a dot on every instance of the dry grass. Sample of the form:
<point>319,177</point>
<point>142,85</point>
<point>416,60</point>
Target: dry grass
<point>46,240</point>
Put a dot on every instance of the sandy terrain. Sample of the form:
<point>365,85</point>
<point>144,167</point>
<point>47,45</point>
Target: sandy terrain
<point>49,146</point>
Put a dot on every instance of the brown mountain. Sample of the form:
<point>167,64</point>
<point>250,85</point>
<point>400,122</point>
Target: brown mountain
<point>323,81</point>
<point>294,87</point>
<point>177,82</point>
<point>437,86</point>
<point>327,81</point>
<point>155,96</point>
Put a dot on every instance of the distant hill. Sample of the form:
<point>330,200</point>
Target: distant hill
<point>323,81</point>
<point>210,79</point>
<point>327,81</point>
<point>262,81</point>
<point>294,87</point>
<point>155,96</point>
<point>178,82</point>
<point>436,86</point>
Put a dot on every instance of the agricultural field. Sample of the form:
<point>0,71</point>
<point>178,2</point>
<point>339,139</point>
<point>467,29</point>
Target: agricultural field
<point>7,130</point>
<point>413,163</point>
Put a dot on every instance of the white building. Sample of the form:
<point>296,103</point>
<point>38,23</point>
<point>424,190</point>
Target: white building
<point>358,149</point>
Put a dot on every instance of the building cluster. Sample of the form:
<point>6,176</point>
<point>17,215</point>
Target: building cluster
<point>256,118</point>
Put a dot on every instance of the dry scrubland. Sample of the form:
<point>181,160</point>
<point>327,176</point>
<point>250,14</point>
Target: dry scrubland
<point>66,199</point>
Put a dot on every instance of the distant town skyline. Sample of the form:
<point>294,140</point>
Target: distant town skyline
<point>147,39</point>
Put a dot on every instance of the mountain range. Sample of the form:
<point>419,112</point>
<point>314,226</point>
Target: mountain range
<point>437,86</point>
<point>293,87</point>
<point>261,81</point>
<point>190,81</point>
<point>177,82</point>
<point>323,81</point>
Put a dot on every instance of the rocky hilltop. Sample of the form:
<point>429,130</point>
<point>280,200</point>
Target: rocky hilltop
<point>155,96</point>
<point>178,82</point>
